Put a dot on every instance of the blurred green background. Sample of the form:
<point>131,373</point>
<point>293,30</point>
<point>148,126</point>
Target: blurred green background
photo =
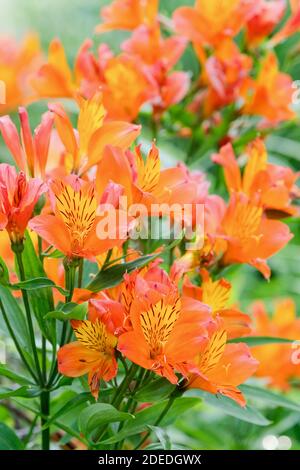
<point>74,20</point>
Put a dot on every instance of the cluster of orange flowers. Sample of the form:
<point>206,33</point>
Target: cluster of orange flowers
<point>179,324</point>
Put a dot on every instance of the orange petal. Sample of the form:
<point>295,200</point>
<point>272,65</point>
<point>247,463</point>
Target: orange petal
<point>75,360</point>
<point>53,230</point>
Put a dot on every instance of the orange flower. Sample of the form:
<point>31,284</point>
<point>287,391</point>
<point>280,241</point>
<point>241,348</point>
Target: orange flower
<point>143,181</point>
<point>94,133</point>
<point>128,14</point>
<point>166,330</point>
<point>93,353</point>
<point>251,237</point>
<point>267,16</point>
<point>28,151</point>
<point>54,78</point>
<point>159,56</point>
<point>225,72</point>
<point>291,26</point>
<point>277,362</point>
<point>216,295</point>
<point>274,186</point>
<point>18,198</point>
<point>73,227</point>
<point>222,367</point>
<point>270,94</point>
<point>209,22</point>
<point>126,87</point>
<point>17,63</point>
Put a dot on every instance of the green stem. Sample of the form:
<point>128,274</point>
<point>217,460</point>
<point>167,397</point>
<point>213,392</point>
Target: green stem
<point>119,395</point>
<point>45,411</point>
<point>169,404</point>
<point>16,343</point>
<point>80,273</point>
<point>18,253</point>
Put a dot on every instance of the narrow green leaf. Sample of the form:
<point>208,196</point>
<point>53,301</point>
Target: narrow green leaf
<point>24,391</point>
<point>16,317</point>
<point>77,313</point>
<point>37,283</point>
<point>260,340</point>
<point>100,414</point>
<point>41,298</point>
<point>8,439</point>
<point>17,378</point>
<point>230,407</point>
<point>268,397</point>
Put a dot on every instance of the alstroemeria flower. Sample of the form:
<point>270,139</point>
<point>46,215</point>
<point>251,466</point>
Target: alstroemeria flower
<point>86,149</point>
<point>159,56</point>
<point>17,64</point>
<point>206,24</point>
<point>278,363</point>
<point>128,14</point>
<point>222,367</point>
<point>216,294</point>
<point>273,185</point>
<point>73,227</point>
<point>267,16</point>
<point>270,94</point>
<point>166,330</point>
<point>18,198</point>
<point>29,151</point>
<point>251,237</point>
<point>93,353</point>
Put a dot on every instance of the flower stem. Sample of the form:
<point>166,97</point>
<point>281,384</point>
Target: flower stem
<point>45,411</point>
<point>169,404</point>
<point>18,254</point>
<point>18,347</point>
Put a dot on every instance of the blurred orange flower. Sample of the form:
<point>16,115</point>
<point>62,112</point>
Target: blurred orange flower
<point>17,63</point>
<point>209,22</point>
<point>128,14</point>
<point>273,185</point>
<point>278,363</point>
<point>270,94</point>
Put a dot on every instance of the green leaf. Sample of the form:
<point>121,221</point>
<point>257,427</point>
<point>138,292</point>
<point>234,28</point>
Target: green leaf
<point>100,414</point>
<point>16,318</point>
<point>162,436</point>
<point>9,374</point>
<point>70,405</point>
<point>8,439</point>
<point>4,274</point>
<point>37,283</point>
<point>41,298</point>
<point>77,313</point>
<point>56,254</point>
<point>270,398</point>
<point>230,407</point>
<point>156,390</point>
<point>113,276</point>
<point>148,417</point>
<point>260,340</point>
<point>24,391</point>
